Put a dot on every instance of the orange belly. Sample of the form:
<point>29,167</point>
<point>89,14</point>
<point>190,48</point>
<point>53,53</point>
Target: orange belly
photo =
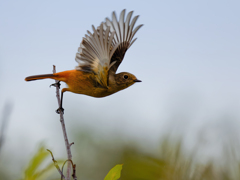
<point>82,83</point>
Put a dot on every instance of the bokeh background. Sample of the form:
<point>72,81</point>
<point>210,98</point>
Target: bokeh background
<point>187,56</point>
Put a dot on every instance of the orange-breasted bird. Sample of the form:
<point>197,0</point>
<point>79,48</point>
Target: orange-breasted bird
<point>99,55</point>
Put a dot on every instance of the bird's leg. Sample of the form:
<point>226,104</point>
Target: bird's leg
<point>57,84</point>
<point>60,109</point>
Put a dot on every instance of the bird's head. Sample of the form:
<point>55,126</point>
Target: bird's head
<point>125,79</point>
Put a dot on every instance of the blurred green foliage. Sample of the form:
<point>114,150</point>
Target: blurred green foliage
<point>34,171</point>
<point>95,156</point>
<point>171,161</point>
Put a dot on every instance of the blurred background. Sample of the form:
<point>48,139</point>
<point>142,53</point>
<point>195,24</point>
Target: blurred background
<point>186,110</point>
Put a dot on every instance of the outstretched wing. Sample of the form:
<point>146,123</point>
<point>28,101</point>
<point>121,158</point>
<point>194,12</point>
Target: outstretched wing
<point>94,54</point>
<point>103,51</point>
<point>123,37</point>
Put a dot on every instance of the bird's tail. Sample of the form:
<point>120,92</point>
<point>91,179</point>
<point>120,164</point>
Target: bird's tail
<point>42,76</point>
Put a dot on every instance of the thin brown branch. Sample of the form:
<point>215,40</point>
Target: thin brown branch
<point>74,172</point>
<point>69,154</point>
<point>73,166</point>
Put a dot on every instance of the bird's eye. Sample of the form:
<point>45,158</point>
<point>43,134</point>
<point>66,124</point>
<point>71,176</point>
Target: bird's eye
<point>125,76</point>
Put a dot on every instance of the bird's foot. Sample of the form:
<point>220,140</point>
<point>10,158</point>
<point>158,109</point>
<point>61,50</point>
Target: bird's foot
<point>57,84</point>
<point>59,110</point>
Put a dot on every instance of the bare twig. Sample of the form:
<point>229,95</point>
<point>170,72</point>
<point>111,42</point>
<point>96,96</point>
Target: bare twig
<point>56,165</point>
<point>69,154</point>
<point>74,172</point>
<point>73,166</point>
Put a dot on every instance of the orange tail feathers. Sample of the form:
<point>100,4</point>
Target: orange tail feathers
<point>42,76</point>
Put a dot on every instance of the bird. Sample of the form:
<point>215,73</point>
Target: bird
<point>98,57</point>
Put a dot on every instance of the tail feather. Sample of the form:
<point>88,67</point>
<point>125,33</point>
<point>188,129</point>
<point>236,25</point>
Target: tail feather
<point>42,76</point>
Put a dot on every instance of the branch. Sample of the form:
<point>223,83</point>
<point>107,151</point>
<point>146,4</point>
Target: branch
<point>69,154</point>
<point>73,166</point>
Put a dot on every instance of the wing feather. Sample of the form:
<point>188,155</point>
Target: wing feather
<point>123,37</point>
<point>121,25</point>
<point>102,51</point>
<point>131,27</point>
<point>134,31</point>
<point>93,54</point>
<point>127,24</point>
<point>116,26</point>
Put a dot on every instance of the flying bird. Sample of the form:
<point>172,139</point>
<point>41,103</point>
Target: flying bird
<point>99,56</point>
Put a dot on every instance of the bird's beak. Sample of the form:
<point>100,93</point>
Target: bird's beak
<point>136,80</point>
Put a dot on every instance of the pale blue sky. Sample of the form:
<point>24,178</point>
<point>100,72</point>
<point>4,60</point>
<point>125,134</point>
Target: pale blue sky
<point>187,55</point>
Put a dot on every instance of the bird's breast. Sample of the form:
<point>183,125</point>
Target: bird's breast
<point>84,83</point>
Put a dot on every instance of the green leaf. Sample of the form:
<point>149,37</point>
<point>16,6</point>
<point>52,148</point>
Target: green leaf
<point>36,169</point>
<point>36,161</point>
<point>114,173</point>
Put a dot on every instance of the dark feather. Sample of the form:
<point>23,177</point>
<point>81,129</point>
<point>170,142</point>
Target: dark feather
<point>123,37</point>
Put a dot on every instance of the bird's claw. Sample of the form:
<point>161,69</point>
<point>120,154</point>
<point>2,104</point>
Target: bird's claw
<point>59,110</point>
<point>57,84</point>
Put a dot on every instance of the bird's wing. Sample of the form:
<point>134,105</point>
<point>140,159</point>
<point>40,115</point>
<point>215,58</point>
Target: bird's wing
<point>123,38</point>
<point>103,51</point>
<point>94,54</point>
